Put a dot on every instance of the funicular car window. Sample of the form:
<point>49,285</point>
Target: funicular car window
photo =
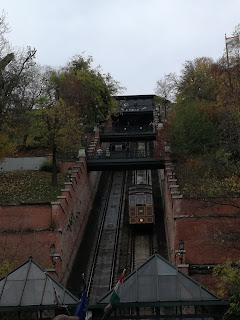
<point>148,199</point>
<point>140,199</point>
<point>132,200</point>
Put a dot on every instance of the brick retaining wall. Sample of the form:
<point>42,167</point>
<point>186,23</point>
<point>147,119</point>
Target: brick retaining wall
<point>30,230</point>
<point>209,228</point>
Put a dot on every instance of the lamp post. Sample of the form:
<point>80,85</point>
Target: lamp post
<point>52,253</point>
<point>70,174</point>
<point>181,250</point>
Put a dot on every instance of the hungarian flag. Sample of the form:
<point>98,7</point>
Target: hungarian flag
<point>114,299</point>
<point>232,41</point>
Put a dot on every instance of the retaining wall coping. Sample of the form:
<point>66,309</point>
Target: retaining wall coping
<point>175,192</point>
<point>177,196</point>
<point>172,180</point>
<point>181,216</point>
<point>69,183</point>
<point>183,265</point>
<point>167,164</point>
<point>27,230</point>
<point>59,203</point>
<point>67,190</point>
<point>63,197</point>
<point>173,186</point>
<point>77,172</point>
<point>74,177</point>
<point>208,216</point>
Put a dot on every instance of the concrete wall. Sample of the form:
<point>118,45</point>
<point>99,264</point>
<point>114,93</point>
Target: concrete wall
<point>26,163</point>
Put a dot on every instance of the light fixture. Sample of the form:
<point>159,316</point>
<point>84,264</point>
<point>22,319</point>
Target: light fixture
<point>52,249</point>
<point>52,253</point>
<point>181,250</point>
<point>69,173</point>
<point>181,244</point>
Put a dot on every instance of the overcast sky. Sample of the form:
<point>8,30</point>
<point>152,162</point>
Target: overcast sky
<point>136,41</point>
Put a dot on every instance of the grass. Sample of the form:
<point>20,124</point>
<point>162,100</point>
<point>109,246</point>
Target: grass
<point>18,187</point>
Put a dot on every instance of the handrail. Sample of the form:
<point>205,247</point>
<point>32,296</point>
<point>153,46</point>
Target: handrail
<point>129,129</point>
<point>141,154</point>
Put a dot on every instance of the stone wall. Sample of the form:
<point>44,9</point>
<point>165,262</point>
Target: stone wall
<point>24,163</point>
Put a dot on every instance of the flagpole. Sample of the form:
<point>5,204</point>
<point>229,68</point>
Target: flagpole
<point>56,294</point>
<point>82,307</point>
<point>83,277</point>
<point>227,50</point>
<point>114,298</point>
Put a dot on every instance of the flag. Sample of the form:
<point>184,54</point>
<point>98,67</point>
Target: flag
<point>232,42</point>
<point>82,306</point>
<point>57,299</point>
<point>114,299</point>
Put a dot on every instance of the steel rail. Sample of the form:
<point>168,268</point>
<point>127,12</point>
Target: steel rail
<point>99,234</point>
<point>120,212</point>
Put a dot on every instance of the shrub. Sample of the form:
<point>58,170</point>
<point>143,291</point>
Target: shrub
<point>47,166</point>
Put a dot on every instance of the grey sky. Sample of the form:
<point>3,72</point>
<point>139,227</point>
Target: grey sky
<point>136,41</point>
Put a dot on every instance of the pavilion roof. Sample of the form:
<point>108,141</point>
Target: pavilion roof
<point>158,282</point>
<point>29,286</point>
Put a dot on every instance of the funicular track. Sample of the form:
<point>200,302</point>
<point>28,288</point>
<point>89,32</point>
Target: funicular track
<point>142,246</point>
<point>102,272</point>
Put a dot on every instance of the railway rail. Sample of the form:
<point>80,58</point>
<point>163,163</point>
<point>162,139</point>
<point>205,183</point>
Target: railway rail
<point>103,265</point>
<point>142,246</point>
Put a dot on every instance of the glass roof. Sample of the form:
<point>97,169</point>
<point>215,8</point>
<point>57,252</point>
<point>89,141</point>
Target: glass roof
<point>29,285</point>
<point>159,281</point>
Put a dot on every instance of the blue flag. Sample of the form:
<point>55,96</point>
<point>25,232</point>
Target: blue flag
<point>82,306</point>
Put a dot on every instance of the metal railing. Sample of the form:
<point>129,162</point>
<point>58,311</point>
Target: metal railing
<point>120,155</point>
<point>129,129</point>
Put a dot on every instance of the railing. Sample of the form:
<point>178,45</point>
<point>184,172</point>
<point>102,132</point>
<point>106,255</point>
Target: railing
<point>129,129</point>
<point>120,155</point>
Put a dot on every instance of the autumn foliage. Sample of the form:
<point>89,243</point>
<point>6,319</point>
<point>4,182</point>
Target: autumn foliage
<point>204,128</point>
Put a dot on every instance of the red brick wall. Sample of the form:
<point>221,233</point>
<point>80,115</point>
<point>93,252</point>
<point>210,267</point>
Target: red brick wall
<point>15,217</point>
<point>208,227</point>
<point>30,230</point>
<point>20,245</point>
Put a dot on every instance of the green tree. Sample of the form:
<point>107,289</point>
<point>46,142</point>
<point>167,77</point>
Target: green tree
<point>191,131</point>
<point>229,286</point>
<point>56,126</point>
<point>99,88</point>
<point>197,82</point>
<point>17,71</point>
